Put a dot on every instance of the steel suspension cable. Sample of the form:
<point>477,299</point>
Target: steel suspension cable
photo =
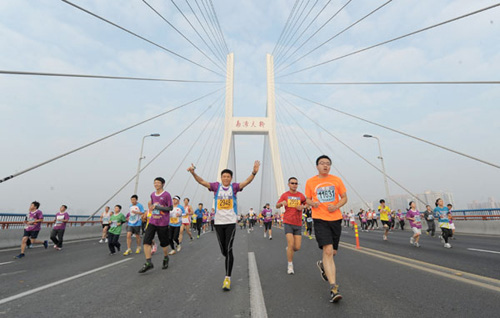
<point>140,37</point>
<point>358,154</point>
<point>396,83</point>
<point>285,27</point>
<point>182,34</point>
<point>214,25</point>
<point>290,35</point>
<point>394,39</point>
<point>209,27</point>
<point>150,161</point>
<point>105,77</point>
<point>397,131</point>
<point>104,138</point>
<point>319,29</point>
<point>218,25</point>
<point>336,35</point>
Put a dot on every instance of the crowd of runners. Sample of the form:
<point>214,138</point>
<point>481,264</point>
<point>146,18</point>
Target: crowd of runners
<point>167,220</point>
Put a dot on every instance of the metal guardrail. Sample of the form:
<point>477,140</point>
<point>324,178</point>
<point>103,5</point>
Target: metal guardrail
<point>16,220</point>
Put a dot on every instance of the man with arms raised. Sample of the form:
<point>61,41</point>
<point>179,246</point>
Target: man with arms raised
<point>326,194</point>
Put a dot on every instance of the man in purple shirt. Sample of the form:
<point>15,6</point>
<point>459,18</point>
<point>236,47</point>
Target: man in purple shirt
<point>32,226</point>
<point>57,233</point>
<point>160,206</point>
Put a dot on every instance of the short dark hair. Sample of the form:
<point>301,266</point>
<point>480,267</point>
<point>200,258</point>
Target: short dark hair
<point>449,204</point>
<point>381,201</point>
<point>65,206</point>
<point>160,179</point>
<point>119,206</point>
<point>226,171</point>
<point>134,196</point>
<point>292,178</point>
<point>323,157</point>
<point>36,204</point>
<point>187,199</point>
<point>200,204</point>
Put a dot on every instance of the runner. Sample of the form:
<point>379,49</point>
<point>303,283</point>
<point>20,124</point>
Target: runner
<point>364,221</point>
<point>134,224</point>
<point>186,222</point>
<point>293,202</point>
<point>375,217</point>
<point>32,225</point>
<point>413,215</point>
<point>199,218</point>
<point>267,214</point>
<point>205,220</point>
<point>401,220</point>
<point>429,217</point>
<point>160,206</point>
<point>226,212</point>
<point>444,222</point>
<point>57,233</point>
<point>175,224</point>
<point>105,216</point>
<point>352,219</point>
<point>115,229</point>
<point>326,194</point>
<point>309,221</point>
<point>450,217</point>
<point>385,217</point>
<point>369,217</point>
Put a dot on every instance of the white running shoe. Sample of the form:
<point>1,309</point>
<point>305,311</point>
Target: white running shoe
<point>106,241</point>
<point>417,245</point>
<point>412,241</point>
<point>385,237</point>
<point>265,235</point>
<point>178,248</point>
<point>290,269</point>
<point>101,241</point>
<point>447,245</point>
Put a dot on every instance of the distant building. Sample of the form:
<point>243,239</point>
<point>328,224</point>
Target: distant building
<point>402,201</point>
<point>491,204</point>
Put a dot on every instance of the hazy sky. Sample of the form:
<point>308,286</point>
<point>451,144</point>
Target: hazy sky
<point>43,117</point>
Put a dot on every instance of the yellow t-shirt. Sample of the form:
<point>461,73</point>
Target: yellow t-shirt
<point>384,216</point>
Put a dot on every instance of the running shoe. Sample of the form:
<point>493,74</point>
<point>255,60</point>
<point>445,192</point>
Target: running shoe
<point>270,237</point>
<point>265,235</point>
<point>106,241</point>
<point>417,245</point>
<point>290,269</point>
<point>197,236</point>
<point>153,249</point>
<point>165,262</point>
<point>112,253</point>
<point>447,245</point>
<point>58,248</point>
<point>412,241</point>
<point>127,252</point>
<point>19,256</point>
<point>45,244</point>
<point>172,252</point>
<point>322,270</point>
<point>441,238</point>
<point>55,246</point>
<point>138,250</point>
<point>335,296</point>
<point>310,237</point>
<point>178,248</point>
<point>101,241</point>
<point>147,266</point>
<point>226,285</point>
<point>30,246</point>
<point>385,237</point>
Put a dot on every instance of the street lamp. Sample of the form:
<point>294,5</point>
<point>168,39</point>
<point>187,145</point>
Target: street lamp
<point>383,168</point>
<point>140,158</point>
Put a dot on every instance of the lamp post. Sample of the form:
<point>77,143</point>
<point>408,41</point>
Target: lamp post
<point>140,158</point>
<point>383,169</point>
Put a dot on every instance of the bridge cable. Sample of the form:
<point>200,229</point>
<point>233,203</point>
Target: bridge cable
<point>218,25</point>
<point>316,32</point>
<point>105,137</point>
<point>182,34</point>
<point>290,34</point>
<point>394,39</point>
<point>396,131</point>
<point>140,37</point>
<point>210,16</point>
<point>216,42</point>
<point>285,27</point>
<point>151,161</point>
<point>105,77</point>
<point>357,154</point>
<point>395,83</point>
<point>336,35</point>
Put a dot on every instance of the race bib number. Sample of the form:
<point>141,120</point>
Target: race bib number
<point>105,220</point>
<point>155,212</point>
<point>417,219</point>
<point>309,220</point>
<point>174,220</point>
<point>326,194</point>
<point>114,224</point>
<point>293,202</point>
<point>225,204</point>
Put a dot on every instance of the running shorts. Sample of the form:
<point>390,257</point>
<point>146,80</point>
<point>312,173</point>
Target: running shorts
<point>384,223</point>
<point>268,225</point>
<point>293,229</point>
<point>104,225</point>
<point>452,226</point>
<point>134,229</point>
<point>31,234</point>
<point>416,231</point>
<point>162,232</point>
<point>327,232</point>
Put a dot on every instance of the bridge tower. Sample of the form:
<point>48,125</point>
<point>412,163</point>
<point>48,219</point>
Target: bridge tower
<point>265,126</point>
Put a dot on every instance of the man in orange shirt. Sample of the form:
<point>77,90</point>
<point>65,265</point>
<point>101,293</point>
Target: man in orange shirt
<point>326,194</point>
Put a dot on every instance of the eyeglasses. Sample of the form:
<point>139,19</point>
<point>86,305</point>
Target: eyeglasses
<point>323,163</point>
<point>294,183</point>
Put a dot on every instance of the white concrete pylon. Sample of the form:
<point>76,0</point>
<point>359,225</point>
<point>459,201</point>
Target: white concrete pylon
<point>265,126</point>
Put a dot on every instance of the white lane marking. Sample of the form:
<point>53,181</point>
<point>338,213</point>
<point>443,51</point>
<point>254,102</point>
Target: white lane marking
<point>486,251</point>
<point>40,245</point>
<point>62,281</point>
<point>257,304</point>
<point>5,263</point>
<point>12,273</point>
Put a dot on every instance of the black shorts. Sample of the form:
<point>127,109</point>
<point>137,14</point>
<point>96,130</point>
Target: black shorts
<point>134,229</point>
<point>104,225</point>
<point>388,223</point>
<point>162,231</point>
<point>31,234</point>
<point>327,232</point>
<point>268,225</point>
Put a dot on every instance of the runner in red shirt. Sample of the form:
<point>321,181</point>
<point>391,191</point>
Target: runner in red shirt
<point>294,202</point>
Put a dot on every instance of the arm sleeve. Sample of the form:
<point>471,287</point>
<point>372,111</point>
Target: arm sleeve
<point>213,186</point>
<point>282,197</point>
<point>236,187</point>
<point>302,198</point>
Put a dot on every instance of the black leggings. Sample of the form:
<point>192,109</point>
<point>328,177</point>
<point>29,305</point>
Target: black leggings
<point>402,224</point>
<point>199,224</point>
<point>309,228</point>
<point>174,235</point>
<point>447,233</point>
<point>57,237</point>
<point>225,235</point>
<point>113,242</point>
<point>375,221</point>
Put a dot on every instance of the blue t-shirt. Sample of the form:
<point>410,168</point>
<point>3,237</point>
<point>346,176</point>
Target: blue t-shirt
<point>176,216</point>
<point>135,219</point>
<point>199,213</point>
<point>442,214</point>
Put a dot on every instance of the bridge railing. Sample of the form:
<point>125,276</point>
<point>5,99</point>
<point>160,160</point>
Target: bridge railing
<point>16,220</point>
<point>476,214</point>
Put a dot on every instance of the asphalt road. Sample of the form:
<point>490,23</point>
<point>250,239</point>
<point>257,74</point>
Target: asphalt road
<point>191,287</point>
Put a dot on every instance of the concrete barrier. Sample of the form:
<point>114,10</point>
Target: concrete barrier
<point>12,237</point>
<point>489,227</point>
